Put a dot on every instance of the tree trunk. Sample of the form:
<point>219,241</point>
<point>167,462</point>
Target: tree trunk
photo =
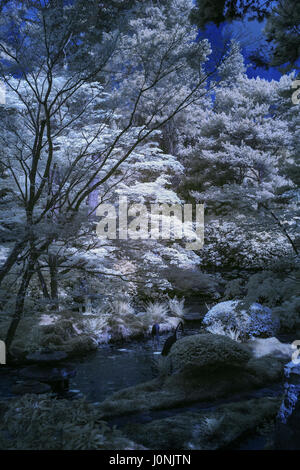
<point>20,300</point>
<point>53,281</point>
<point>19,308</point>
<point>18,248</point>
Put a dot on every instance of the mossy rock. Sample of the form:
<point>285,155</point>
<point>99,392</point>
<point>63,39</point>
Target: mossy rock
<point>194,385</point>
<point>51,339</point>
<point>268,368</point>
<point>207,351</point>
<point>63,328</point>
<point>80,345</point>
<point>205,430</point>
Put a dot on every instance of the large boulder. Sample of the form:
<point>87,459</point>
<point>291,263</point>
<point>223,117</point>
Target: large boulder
<point>249,321</point>
<point>193,385</point>
<point>207,351</point>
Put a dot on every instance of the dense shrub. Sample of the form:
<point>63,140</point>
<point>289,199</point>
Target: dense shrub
<point>232,316</point>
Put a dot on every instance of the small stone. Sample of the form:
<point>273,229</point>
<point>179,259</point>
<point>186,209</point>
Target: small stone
<point>30,387</point>
<point>47,356</point>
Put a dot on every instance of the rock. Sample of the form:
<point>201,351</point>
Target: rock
<point>52,340</point>
<point>194,385</point>
<point>265,370</point>
<point>207,350</point>
<point>250,321</point>
<point>46,356</point>
<point>80,345</point>
<point>264,346</point>
<point>30,387</point>
<point>204,430</point>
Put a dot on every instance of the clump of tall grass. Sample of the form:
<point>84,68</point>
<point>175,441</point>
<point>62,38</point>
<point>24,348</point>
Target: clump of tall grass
<point>120,307</point>
<point>157,311</point>
<point>122,320</point>
<point>98,327</point>
<point>218,328</point>
<point>153,313</point>
<point>176,306</point>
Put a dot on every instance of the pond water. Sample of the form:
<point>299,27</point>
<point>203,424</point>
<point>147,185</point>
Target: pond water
<point>109,369</point>
<point>114,366</point>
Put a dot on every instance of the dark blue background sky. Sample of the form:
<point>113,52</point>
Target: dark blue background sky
<point>250,35</point>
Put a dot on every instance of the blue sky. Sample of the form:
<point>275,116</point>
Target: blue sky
<point>250,35</point>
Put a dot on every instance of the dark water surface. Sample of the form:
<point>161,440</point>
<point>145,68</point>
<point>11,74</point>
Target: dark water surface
<point>114,366</point>
<point>109,369</point>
